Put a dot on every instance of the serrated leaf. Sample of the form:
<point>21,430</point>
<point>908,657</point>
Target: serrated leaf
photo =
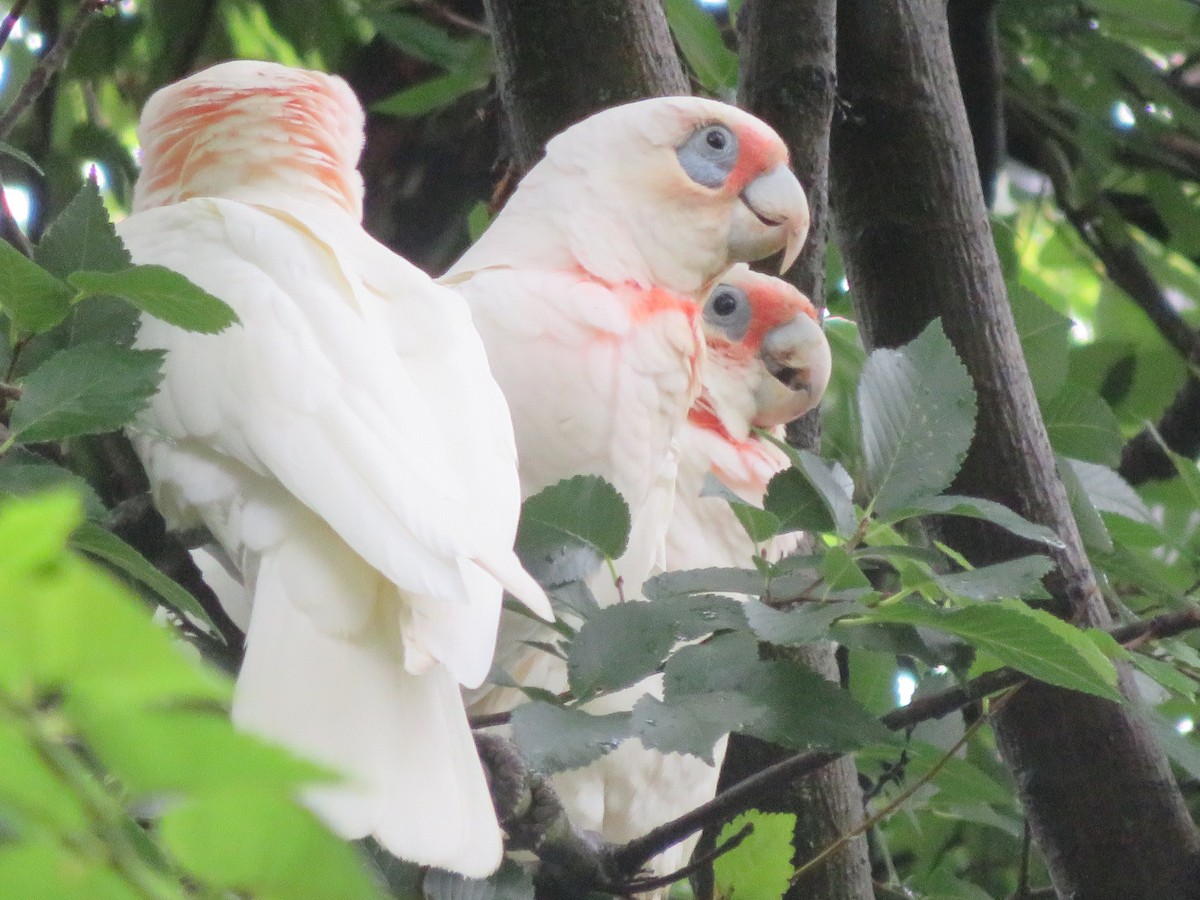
<point>556,738</point>
<point>95,541</point>
<point>715,65</point>
<point>830,481</point>
<point>581,513</point>
<point>691,724</point>
<point>781,702</point>
<point>622,644</point>
<point>24,479</point>
<point>761,866</point>
<point>978,508</point>
<point>1045,337</point>
<point>1083,426</point>
<point>804,623</point>
<point>704,581</point>
<point>1109,492</point>
<point>162,293</point>
<point>87,389</point>
<point>760,525</point>
<point>1020,577</point>
<point>34,299</point>
<point>82,237</point>
<point>918,416</point>
<point>1030,641</point>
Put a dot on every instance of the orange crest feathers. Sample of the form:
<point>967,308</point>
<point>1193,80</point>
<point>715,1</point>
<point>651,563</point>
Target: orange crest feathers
<point>249,130</point>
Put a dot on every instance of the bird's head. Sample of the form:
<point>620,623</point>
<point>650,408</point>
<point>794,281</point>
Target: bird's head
<point>768,360</point>
<point>667,191</point>
<point>252,131</point>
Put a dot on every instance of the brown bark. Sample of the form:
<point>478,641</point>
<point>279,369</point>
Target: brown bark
<point>557,63</point>
<point>788,79</point>
<point>913,230</point>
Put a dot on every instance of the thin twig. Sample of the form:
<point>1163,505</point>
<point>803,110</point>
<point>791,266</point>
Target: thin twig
<point>660,881</point>
<point>746,793</point>
<point>903,797</point>
<point>11,232</point>
<point>10,21</point>
<point>51,63</point>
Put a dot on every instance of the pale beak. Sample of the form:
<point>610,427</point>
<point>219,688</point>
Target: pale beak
<point>774,215</point>
<point>798,359</point>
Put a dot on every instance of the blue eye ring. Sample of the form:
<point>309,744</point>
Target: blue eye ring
<point>728,310</point>
<point>709,154</point>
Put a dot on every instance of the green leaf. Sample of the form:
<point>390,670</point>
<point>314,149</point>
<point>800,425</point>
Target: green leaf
<point>622,644</point>
<point>1020,577</point>
<point>715,65</point>
<point>841,572</point>
<point>257,843</point>
<point>761,866</point>
<point>760,524</point>
<point>87,389</point>
<point>162,293</point>
<point>804,623</point>
<point>958,781</point>
<point>918,417</point>
<point>779,701</point>
<point>1092,529</point>
<point>691,723</point>
<point>431,95</point>
<point>49,872</point>
<point>704,581</point>
<point>173,750</point>
<point>797,504</point>
<point>421,39</point>
<point>1109,492</point>
<point>82,237</point>
<point>556,738</point>
<point>584,513</point>
<point>31,790</point>
<point>25,478</point>
<point>977,508</point>
<point>1082,425</point>
<point>33,298</point>
<point>1045,337</point>
<point>7,149</point>
<point>1030,641</point>
<point>95,541</point>
<point>832,484</point>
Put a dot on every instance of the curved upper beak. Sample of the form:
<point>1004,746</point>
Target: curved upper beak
<point>798,358</point>
<point>773,215</point>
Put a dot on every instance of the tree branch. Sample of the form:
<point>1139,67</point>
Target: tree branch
<point>54,60</point>
<point>536,820</point>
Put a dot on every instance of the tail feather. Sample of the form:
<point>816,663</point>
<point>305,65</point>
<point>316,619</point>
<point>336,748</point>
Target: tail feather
<point>347,701</point>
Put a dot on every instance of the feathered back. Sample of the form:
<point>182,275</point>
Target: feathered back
<point>251,131</point>
<point>611,197</point>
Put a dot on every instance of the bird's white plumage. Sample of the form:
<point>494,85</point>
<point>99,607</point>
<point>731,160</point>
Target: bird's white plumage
<point>586,290</point>
<point>346,445</point>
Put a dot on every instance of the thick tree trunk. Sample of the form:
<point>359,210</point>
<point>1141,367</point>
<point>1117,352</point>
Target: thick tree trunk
<point>558,63</point>
<point>913,230</point>
<point>788,79</point>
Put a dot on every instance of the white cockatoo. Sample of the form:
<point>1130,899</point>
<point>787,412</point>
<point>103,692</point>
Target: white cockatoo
<point>346,445</point>
<point>587,290</point>
<point>768,363</point>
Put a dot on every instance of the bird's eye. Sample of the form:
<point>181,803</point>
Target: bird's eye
<point>709,155</point>
<point>728,312</point>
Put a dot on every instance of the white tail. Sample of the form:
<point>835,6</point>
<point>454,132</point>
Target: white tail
<point>343,698</point>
